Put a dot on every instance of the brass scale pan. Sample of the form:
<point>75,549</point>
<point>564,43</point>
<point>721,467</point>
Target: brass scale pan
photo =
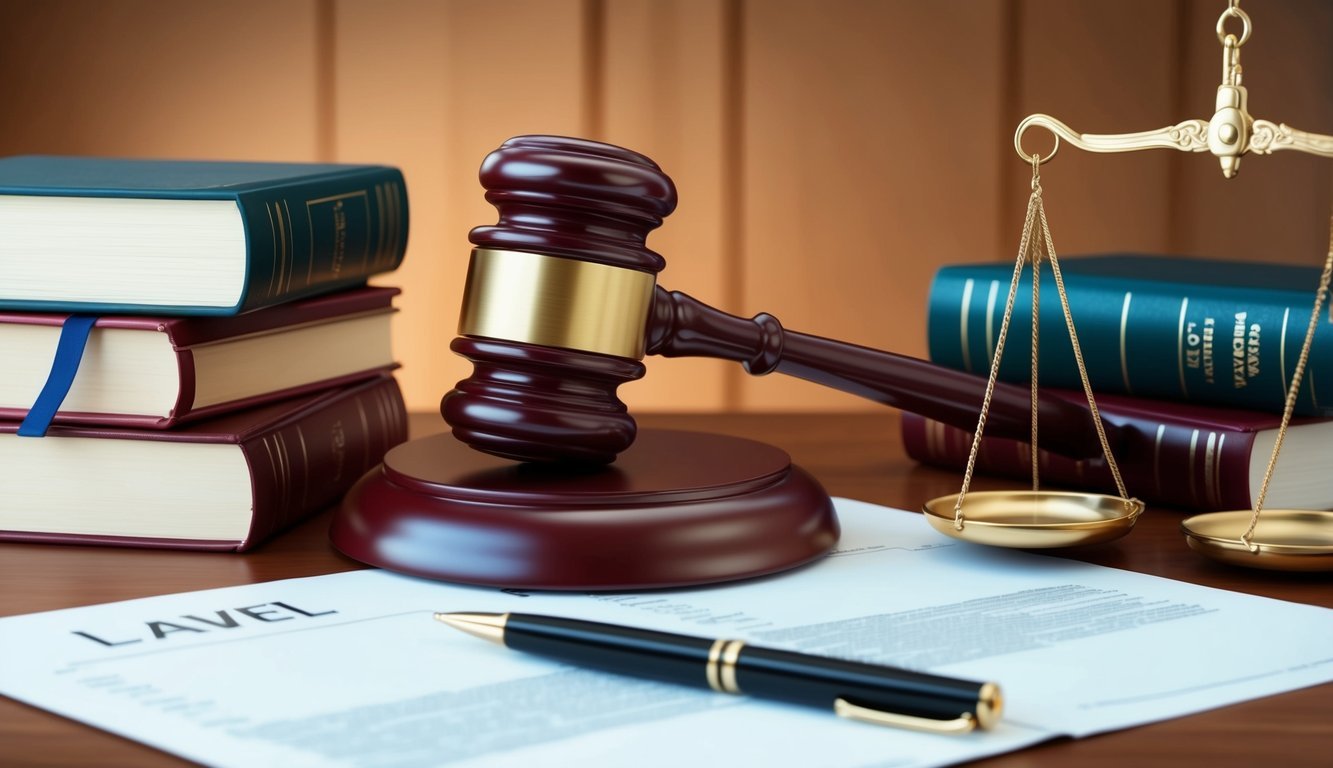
<point>1276,539</point>
<point>1285,539</point>
<point>1034,519</point>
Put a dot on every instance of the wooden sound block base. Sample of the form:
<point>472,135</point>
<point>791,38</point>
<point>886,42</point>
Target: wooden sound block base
<point>676,508</point>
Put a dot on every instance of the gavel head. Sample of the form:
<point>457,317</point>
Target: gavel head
<point>557,300</point>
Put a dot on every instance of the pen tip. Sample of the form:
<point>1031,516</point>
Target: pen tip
<point>487,626</point>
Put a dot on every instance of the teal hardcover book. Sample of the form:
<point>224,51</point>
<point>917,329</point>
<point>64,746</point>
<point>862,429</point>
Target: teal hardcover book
<point>85,234</point>
<point>1172,328</point>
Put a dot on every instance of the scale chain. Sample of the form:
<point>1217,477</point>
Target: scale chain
<point>1320,296</point>
<point>1030,248</point>
<point>1036,335</point>
<point>1024,244</point>
<point>1078,357</point>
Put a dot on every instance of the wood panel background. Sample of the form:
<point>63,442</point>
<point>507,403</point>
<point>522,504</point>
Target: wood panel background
<point>829,155</point>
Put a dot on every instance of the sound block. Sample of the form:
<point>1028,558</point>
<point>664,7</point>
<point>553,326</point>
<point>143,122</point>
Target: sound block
<point>675,509</point>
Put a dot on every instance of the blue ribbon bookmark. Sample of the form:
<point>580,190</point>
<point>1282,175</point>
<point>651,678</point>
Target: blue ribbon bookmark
<point>69,353</point>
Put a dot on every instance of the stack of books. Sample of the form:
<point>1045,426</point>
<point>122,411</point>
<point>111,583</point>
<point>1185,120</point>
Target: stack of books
<point>1193,356</point>
<point>189,354</point>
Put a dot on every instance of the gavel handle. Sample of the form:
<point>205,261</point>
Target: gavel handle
<point>681,326</point>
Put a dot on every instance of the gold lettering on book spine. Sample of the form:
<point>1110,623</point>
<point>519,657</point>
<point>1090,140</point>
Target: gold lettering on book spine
<point>339,232</point>
<point>1252,349</point>
<point>1180,347</point>
<point>1209,366</point>
<point>1238,379</point>
<point>331,198</point>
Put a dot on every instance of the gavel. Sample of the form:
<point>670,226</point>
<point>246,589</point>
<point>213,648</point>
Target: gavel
<point>561,304</point>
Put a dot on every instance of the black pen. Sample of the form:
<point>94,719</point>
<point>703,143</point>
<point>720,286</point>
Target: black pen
<point>854,690</point>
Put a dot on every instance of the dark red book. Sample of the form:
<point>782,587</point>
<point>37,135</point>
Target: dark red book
<point>1171,454</point>
<point>225,483</point>
<point>156,372</point>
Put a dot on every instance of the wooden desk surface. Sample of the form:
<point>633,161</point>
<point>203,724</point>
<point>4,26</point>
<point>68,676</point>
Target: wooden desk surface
<point>858,456</point>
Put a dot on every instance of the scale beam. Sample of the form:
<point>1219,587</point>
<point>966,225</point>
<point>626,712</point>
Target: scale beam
<point>1230,134</point>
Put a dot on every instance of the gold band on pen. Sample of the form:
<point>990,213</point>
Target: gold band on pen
<point>730,655</point>
<point>721,667</point>
<point>556,302</point>
<point>724,656</point>
<point>711,669</point>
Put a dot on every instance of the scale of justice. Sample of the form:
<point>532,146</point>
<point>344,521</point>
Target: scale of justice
<point>563,491</point>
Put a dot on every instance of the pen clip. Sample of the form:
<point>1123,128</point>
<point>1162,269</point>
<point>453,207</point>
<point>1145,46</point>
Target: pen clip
<point>964,723</point>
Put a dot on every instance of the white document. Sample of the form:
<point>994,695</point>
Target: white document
<point>351,669</point>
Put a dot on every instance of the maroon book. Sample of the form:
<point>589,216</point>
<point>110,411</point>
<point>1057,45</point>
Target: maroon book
<point>1171,454</point>
<point>226,483</point>
<point>157,372</point>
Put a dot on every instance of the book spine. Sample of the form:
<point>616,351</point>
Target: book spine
<point>185,389</point>
<point>305,465</point>
<point>1202,344</point>
<point>313,237</point>
<point>1161,464</point>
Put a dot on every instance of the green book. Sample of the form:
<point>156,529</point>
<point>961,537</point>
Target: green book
<point>1192,330</point>
<point>85,234</point>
